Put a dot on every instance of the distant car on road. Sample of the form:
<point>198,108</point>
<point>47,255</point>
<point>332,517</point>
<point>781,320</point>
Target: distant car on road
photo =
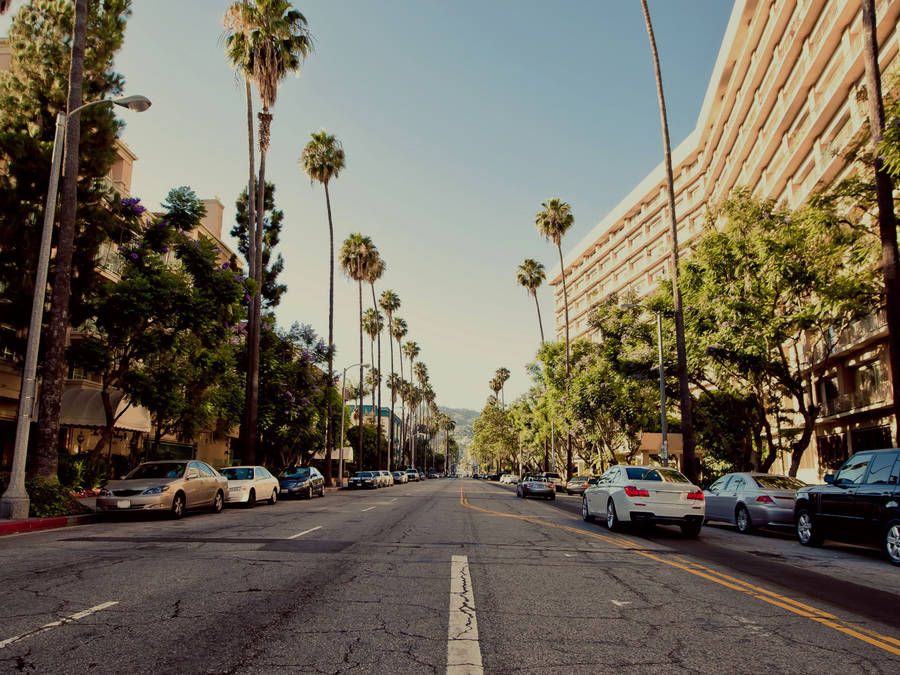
<point>412,475</point>
<point>302,481</point>
<point>248,485</point>
<point>509,479</point>
<point>167,485</point>
<point>554,479</point>
<point>645,494</point>
<point>400,477</point>
<point>535,486</point>
<point>578,484</point>
<point>363,479</point>
<point>858,504</point>
<point>751,500</point>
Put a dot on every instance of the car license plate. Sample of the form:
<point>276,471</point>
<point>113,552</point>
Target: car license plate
<point>284,489</point>
<point>123,504</point>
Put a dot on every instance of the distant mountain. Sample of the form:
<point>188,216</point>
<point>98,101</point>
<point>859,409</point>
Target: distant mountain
<point>463,434</point>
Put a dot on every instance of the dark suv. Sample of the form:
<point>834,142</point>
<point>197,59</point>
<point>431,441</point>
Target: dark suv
<point>858,504</point>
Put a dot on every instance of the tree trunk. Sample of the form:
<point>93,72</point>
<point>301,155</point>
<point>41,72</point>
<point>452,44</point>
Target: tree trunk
<point>393,391</point>
<point>886,220</point>
<point>329,422</point>
<point>378,384</point>
<point>687,421</point>
<point>54,372</point>
<point>359,410</point>
<point>566,306</point>
<point>540,323</point>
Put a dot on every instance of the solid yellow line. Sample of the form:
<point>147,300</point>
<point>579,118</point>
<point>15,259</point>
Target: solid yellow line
<point>884,642</point>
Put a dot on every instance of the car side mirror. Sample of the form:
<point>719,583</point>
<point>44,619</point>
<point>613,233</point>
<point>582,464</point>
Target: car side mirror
<point>191,474</point>
<point>829,478</point>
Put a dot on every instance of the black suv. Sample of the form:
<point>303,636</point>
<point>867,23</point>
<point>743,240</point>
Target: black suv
<point>858,504</point>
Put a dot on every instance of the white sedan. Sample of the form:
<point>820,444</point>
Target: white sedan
<point>250,484</point>
<point>633,494</point>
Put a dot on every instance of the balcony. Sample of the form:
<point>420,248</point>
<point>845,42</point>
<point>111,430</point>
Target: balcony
<point>853,335</point>
<point>856,400</point>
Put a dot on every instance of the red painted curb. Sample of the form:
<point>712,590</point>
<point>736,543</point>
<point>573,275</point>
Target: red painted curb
<point>34,524</point>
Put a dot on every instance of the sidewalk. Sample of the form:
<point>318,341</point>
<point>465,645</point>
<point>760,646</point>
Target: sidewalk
<point>35,524</point>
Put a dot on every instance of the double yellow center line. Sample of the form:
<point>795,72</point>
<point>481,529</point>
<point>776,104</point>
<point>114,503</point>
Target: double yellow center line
<point>884,642</point>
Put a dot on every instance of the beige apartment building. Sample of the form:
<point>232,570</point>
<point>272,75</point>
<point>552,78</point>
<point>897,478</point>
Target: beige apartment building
<point>785,98</point>
<point>81,415</point>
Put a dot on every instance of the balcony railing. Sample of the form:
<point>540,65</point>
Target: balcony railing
<point>857,399</point>
<point>855,333</point>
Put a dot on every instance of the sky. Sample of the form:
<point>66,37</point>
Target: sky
<point>458,120</point>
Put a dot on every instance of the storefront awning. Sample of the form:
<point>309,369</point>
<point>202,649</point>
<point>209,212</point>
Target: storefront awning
<point>84,408</point>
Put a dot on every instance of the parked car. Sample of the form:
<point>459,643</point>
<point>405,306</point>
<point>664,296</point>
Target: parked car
<point>363,479</point>
<point>412,475</point>
<point>250,484</point>
<point>400,477</point>
<point>509,479</point>
<point>168,485</point>
<point>648,494</point>
<point>858,504</point>
<point>578,484</point>
<point>751,500</point>
<point>554,479</point>
<point>536,486</point>
<point>387,478</point>
<point>302,481</point>
<point>421,476</point>
<point>432,473</point>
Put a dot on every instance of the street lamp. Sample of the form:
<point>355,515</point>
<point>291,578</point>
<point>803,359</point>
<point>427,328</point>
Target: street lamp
<point>343,410</point>
<point>664,449</point>
<point>15,502</point>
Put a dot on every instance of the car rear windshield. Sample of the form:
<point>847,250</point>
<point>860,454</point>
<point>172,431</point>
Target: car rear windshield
<point>778,482</point>
<point>167,470</point>
<point>667,475</point>
<point>296,472</point>
<point>579,479</point>
<point>237,474</point>
<point>636,473</point>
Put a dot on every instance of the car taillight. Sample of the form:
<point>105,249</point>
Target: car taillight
<point>696,495</point>
<point>632,491</point>
<point>765,499</point>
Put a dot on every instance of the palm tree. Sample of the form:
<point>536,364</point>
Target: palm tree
<point>411,349</point>
<point>374,271</point>
<point>884,190</point>
<point>553,223</point>
<point>270,40</point>
<point>322,160</point>
<point>495,386</point>
<point>687,419</point>
<point>372,324</point>
<point>448,425</point>
<point>356,252</point>
<point>502,376</point>
<point>399,330</point>
<point>531,275</point>
<point>390,303</point>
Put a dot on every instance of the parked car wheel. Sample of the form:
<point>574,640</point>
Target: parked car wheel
<point>552,497</point>
<point>178,506</point>
<point>807,532</point>
<point>585,512</point>
<point>743,520</point>
<point>892,541</point>
<point>274,498</point>
<point>322,490</point>
<point>691,529</point>
<point>309,493</point>
<point>251,499</point>
<point>218,503</point>
<point>612,519</point>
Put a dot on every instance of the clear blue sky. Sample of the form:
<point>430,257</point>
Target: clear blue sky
<point>458,119</point>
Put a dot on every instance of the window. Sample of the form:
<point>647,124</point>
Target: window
<point>738,483</point>
<point>880,468</point>
<point>853,470</point>
<point>720,485</point>
<point>636,473</point>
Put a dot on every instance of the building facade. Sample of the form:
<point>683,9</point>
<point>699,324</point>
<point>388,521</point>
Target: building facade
<point>785,100</point>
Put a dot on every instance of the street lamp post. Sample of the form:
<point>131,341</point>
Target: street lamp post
<point>15,502</point>
<point>664,445</point>
<point>343,410</point>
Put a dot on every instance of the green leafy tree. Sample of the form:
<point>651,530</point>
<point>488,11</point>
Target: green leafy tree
<point>272,290</point>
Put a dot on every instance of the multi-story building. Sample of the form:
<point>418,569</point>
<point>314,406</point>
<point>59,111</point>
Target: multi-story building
<point>81,414</point>
<point>785,99</point>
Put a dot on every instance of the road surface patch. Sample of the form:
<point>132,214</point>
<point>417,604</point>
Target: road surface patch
<point>463,648</point>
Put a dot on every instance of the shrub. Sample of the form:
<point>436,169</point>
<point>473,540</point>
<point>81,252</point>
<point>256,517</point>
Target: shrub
<point>50,498</point>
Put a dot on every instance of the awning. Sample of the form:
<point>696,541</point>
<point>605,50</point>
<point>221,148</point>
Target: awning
<point>82,407</point>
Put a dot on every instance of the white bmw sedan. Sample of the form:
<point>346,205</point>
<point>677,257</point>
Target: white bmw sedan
<point>250,484</point>
<point>635,494</point>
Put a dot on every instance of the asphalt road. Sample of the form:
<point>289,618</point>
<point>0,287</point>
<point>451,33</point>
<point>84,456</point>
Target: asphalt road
<point>446,576</point>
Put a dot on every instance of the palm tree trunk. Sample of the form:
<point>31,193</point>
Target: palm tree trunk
<point>378,383</point>
<point>688,467</point>
<point>372,373</point>
<point>329,422</point>
<point>54,370</point>
<point>393,392</point>
<point>566,306</point>
<point>402,404</point>
<point>359,410</point>
<point>540,323</point>
<point>884,189</point>
<point>251,255</point>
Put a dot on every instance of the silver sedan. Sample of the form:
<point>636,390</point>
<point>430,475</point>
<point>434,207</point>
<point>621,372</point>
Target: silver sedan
<point>751,500</point>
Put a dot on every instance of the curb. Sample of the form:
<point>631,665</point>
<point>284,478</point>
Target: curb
<point>37,524</point>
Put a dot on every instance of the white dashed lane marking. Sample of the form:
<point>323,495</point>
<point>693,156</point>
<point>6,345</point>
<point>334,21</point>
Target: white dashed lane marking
<point>463,648</point>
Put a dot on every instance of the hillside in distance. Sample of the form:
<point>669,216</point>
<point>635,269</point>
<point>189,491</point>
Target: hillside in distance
<point>463,434</point>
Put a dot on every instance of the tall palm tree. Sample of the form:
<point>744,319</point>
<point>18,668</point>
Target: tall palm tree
<point>374,271</point>
<point>399,330</point>
<point>372,324</point>
<point>448,424</point>
<point>502,377</point>
<point>356,253</point>
<point>322,160</point>
<point>411,349</point>
<point>275,41</point>
<point>531,275</point>
<point>687,418</point>
<point>390,303</point>
<point>884,190</point>
<point>495,386</point>
<point>553,223</point>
